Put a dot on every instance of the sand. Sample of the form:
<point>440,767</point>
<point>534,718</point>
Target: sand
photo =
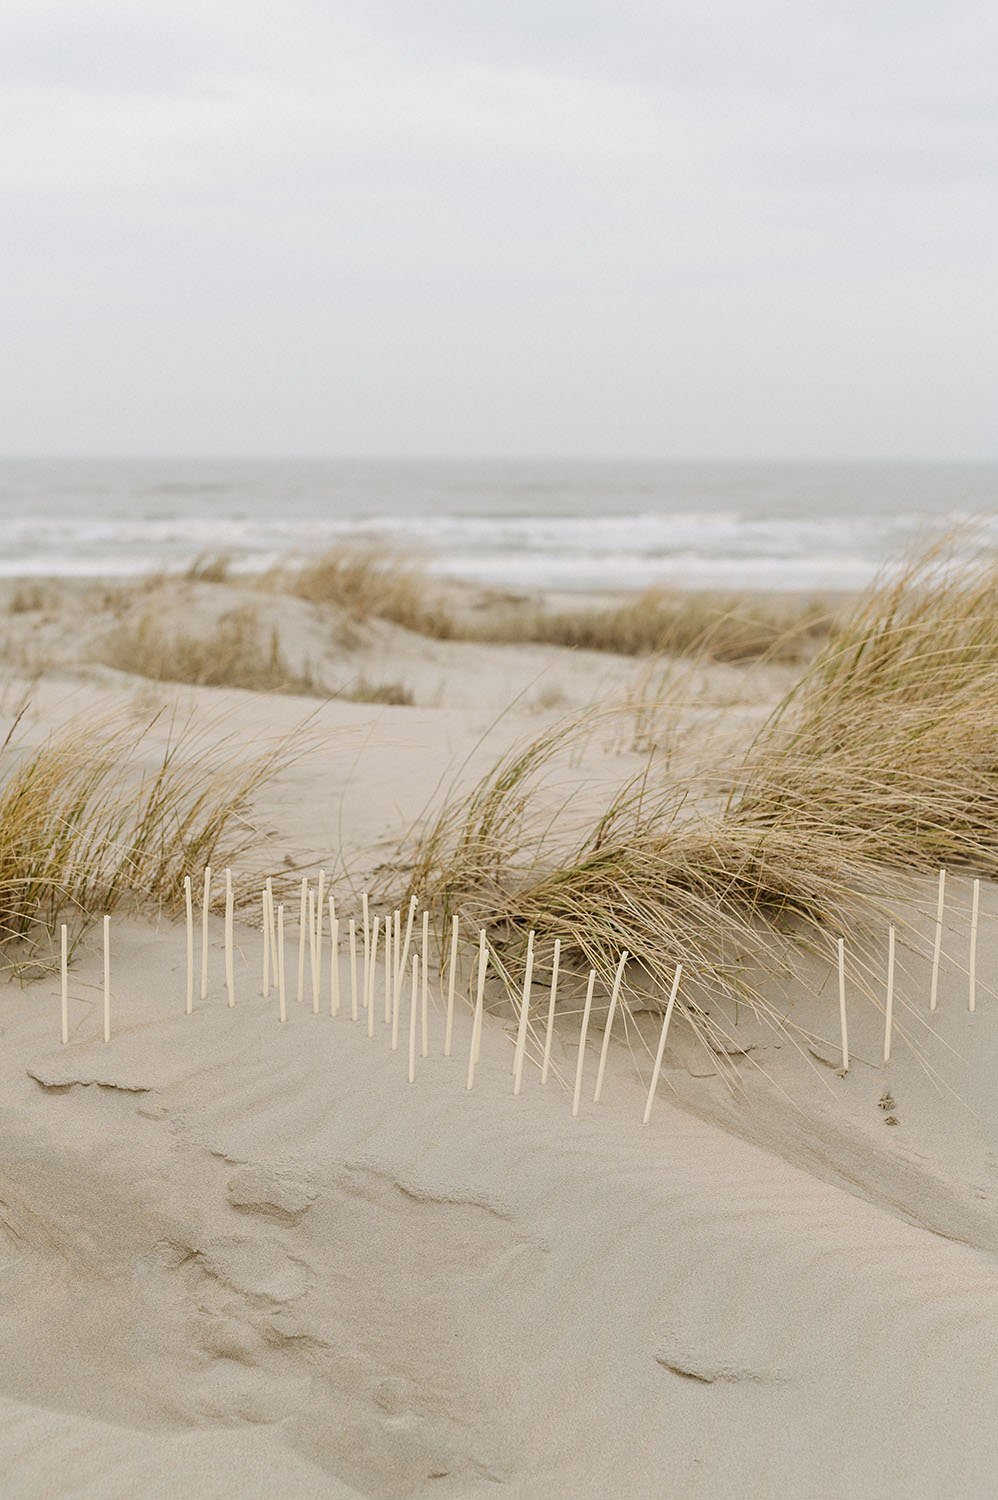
<point>242,1259</point>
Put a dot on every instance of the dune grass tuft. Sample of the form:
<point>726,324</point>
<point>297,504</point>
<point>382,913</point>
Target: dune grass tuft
<point>374,583</point>
<point>104,814</point>
<point>889,743</point>
<point>881,760</point>
<point>665,622</point>
<point>235,653</point>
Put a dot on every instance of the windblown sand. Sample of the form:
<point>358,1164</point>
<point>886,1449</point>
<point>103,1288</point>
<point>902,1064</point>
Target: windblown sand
<point>246,1260</point>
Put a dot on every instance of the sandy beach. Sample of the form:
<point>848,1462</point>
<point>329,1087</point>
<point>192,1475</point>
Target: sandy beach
<point>247,1259</point>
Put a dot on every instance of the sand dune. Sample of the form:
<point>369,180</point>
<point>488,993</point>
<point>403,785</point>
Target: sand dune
<point>242,1259</point>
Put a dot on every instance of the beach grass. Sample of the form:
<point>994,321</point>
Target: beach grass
<point>237,652</point>
<point>879,761</point>
<point>368,583</point>
<point>663,622</point>
<point>105,814</point>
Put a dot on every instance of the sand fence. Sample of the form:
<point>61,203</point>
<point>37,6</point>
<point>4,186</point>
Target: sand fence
<point>407,979</point>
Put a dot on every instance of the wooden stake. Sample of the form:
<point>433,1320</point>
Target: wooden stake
<point>614,997</point>
<point>476,1025</point>
<point>521,1030</point>
<point>313,955</point>
<point>889,1003</point>
<point>230,970</point>
<point>302,906</point>
<point>549,1033</point>
<point>451,980</point>
<point>396,970</point>
<point>374,960</point>
<point>189,910</point>
<point>972,962</point>
<point>352,946</point>
<point>413,1005</point>
<point>334,961</point>
<point>320,913</point>
<point>107,979</point>
<point>937,946</point>
<point>366,923</point>
<point>389,970</point>
<point>315,947</point>
<point>64,980</point>
<point>272,924</point>
<point>205,903</point>
<point>843,1024</point>
<point>402,956</point>
<point>580,1064</point>
<point>661,1045</point>
<point>424,1024</point>
<point>282,993</point>
<point>265,928</point>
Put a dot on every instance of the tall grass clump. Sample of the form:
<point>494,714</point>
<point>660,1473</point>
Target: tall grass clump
<point>374,583</point>
<point>882,759</point>
<point>235,652</point>
<point>713,627</point>
<point>103,814</point>
<point>889,743</point>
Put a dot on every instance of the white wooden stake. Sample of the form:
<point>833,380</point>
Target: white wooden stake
<point>370,991</point>
<point>272,916</point>
<point>312,953</point>
<point>476,1025</point>
<point>205,902</point>
<point>334,961</point>
<point>402,956</point>
<point>843,1024</point>
<point>320,913</point>
<point>107,979</point>
<point>265,928</point>
<point>230,970</point>
<point>396,992</point>
<point>64,980</point>
<point>614,997</point>
<point>413,1006</point>
<point>352,944</point>
<point>972,961</point>
<point>396,971</point>
<point>580,1064</point>
<point>424,1024</point>
<point>521,1030</point>
<point>889,1002</point>
<point>937,946</point>
<point>314,960</point>
<point>302,907</point>
<point>451,981</point>
<point>661,1045</point>
<point>389,970</point>
<point>366,923</point>
<point>189,912</point>
<point>549,1033</point>
<point>282,993</point>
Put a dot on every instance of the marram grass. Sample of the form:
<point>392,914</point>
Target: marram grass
<point>882,760</point>
<point>104,814</point>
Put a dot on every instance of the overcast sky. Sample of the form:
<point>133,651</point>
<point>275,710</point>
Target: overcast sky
<point>608,228</point>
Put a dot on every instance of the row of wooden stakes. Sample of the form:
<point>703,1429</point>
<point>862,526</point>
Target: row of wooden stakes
<point>397,937</point>
<point>398,963</point>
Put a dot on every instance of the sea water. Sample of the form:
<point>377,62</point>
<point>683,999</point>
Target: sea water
<point>509,524</point>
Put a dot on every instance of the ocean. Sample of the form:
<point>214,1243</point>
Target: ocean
<point>515,525</point>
